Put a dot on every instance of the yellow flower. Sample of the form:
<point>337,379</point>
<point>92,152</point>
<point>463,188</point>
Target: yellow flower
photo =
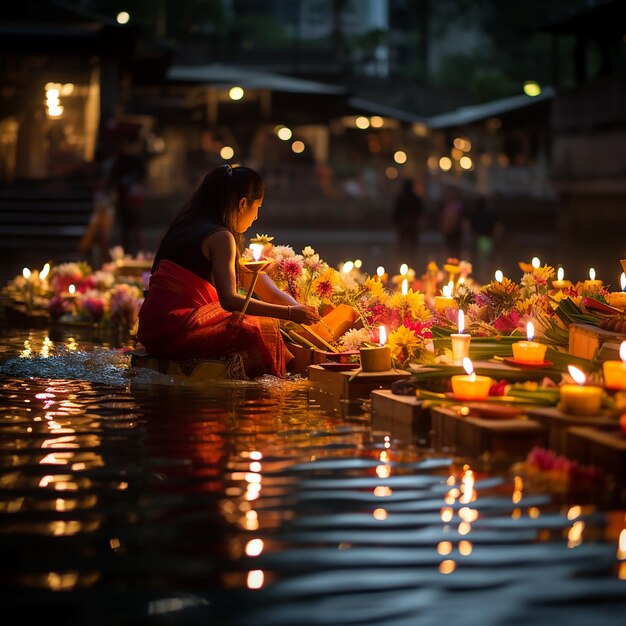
<point>412,304</point>
<point>403,343</point>
<point>376,290</point>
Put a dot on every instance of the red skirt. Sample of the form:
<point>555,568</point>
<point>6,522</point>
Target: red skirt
<point>181,318</point>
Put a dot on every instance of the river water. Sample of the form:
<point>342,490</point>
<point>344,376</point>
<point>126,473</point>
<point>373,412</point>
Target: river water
<point>127,498</point>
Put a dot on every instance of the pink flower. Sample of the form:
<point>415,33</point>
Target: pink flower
<point>507,323</point>
<point>58,307</point>
<point>324,289</point>
<point>291,269</point>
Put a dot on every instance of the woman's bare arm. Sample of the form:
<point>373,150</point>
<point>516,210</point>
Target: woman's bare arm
<point>220,249</point>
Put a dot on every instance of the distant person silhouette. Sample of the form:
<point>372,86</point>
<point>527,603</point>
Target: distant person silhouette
<point>128,175</point>
<point>407,214</point>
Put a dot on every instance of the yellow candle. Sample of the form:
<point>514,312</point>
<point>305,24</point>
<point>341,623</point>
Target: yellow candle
<point>529,351</point>
<point>618,298</point>
<point>446,300</point>
<point>378,358</point>
<point>615,371</point>
<point>592,281</point>
<point>470,386</point>
<point>580,399</point>
<point>460,341</point>
<point>560,282</point>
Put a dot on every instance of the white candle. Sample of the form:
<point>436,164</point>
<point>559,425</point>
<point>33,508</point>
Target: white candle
<point>460,341</point>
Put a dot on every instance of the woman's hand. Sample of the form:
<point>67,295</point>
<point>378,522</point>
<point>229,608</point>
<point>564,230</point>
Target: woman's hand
<point>303,315</point>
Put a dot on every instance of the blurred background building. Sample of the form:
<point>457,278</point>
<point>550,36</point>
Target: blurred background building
<point>335,102</point>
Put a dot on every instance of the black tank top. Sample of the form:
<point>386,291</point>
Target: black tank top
<point>183,245</point>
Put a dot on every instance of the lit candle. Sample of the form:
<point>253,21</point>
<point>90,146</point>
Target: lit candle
<point>255,267</point>
<point>380,274</point>
<point>580,399</point>
<point>470,386</point>
<point>446,300</point>
<point>560,283</point>
<point>592,281</point>
<point>615,371</point>
<point>405,287</point>
<point>377,358</point>
<point>499,275</point>
<point>536,263</point>
<point>618,298</point>
<point>460,341</point>
<point>531,352</point>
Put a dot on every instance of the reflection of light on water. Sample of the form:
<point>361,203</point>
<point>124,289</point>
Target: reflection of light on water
<point>383,471</point>
<point>465,547</point>
<point>575,534</point>
<point>516,513</point>
<point>255,579</point>
<point>46,346</point>
<point>447,566</point>
<point>467,486</point>
<point>464,528</point>
<point>574,512</point>
<point>452,495</point>
<point>380,514</point>
<point>446,514</point>
<point>27,351</point>
<point>254,547</point>
<point>534,512</point>
<point>255,466</point>
<point>251,520</point>
<point>387,443</point>
<point>382,491</point>
<point>71,344</point>
<point>467,514</point>
<point>444,548</point>
<point>518,488</point>
<point>58,581</point>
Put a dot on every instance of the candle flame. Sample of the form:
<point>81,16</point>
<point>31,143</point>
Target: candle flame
<point>405,287</point>
<point>380,270</point>
<point>535,262</point>
<point>622,281</point>
<point>468,366</point>
<point>26,273</point>
<point>72,289</point>
<point>348,266</point>
<point>461,321</point>
<point>622,351</point>
<point>578,375</point>
<point>592,273</point>
<point>447,290</point>
<point>499,275</point>
<point>530,331</point>
<point>560,274</point>
<point>404,269</point>
<point>45,271</point>
<point>382,336</point>
<point>256,249</point>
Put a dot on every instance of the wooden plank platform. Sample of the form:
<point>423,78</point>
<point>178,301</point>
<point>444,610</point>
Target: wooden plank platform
<point>402,415</point>
<point>557,424</point>
<point>606,449</point>
<point>339,384</point>
<point>473,436</point>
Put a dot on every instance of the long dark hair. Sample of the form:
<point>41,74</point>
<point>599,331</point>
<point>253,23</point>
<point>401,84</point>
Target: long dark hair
<point>217,197</point>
